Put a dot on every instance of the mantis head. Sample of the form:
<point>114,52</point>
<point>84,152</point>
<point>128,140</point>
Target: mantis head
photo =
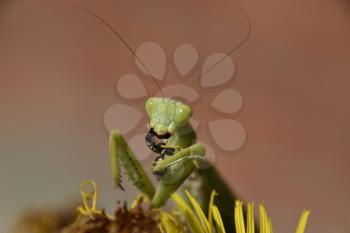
<point>166,117</point>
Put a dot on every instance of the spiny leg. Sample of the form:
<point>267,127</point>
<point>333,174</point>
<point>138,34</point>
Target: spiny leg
<point>176,169</point>
<point>121,154</point>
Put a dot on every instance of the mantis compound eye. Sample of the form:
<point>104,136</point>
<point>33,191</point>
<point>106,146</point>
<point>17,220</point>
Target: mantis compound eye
<point>150,105</point>
<point>183,113</point>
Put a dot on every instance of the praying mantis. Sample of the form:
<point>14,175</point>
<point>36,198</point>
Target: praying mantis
<point>178,154</point>
<point>171,136</point>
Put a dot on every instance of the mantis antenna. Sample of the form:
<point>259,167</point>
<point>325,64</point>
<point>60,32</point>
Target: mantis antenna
<point>240,44</point>
<point>118,35</point>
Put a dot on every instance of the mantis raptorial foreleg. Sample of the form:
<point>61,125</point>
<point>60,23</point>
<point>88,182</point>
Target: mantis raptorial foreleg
<point>190,152</point>
<point>176,168</point>
<point>121,154</point>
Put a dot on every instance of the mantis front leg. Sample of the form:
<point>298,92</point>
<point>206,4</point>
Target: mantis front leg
<point>121,154</point>
<point>176,168</point>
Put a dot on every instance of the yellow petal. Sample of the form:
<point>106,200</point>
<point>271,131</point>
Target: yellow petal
<point>168,224</point>
<point>138,199</point>
<point>239,219</point>
<point>262,219</point>
<point>250,218</point>
<point>303,221</point>
<point>199,212</point>
<point>188,214</point>
<point>210,214</point>
<point>218,220</point>
<point>265,222</point>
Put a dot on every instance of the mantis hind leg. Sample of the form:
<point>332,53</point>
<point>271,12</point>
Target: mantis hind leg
<point>121,155</point>
<point>177,168</point>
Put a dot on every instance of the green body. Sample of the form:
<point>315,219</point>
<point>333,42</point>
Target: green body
<point>171,117</point>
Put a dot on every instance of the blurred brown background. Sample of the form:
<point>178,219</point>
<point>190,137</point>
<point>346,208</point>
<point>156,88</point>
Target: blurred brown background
<point>58,65</point>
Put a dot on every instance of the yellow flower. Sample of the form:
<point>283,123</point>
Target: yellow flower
<point>198,222</point>
<point>194,217</point>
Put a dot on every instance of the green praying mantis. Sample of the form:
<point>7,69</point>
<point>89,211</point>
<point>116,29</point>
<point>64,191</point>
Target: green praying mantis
<point>171,136</point>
